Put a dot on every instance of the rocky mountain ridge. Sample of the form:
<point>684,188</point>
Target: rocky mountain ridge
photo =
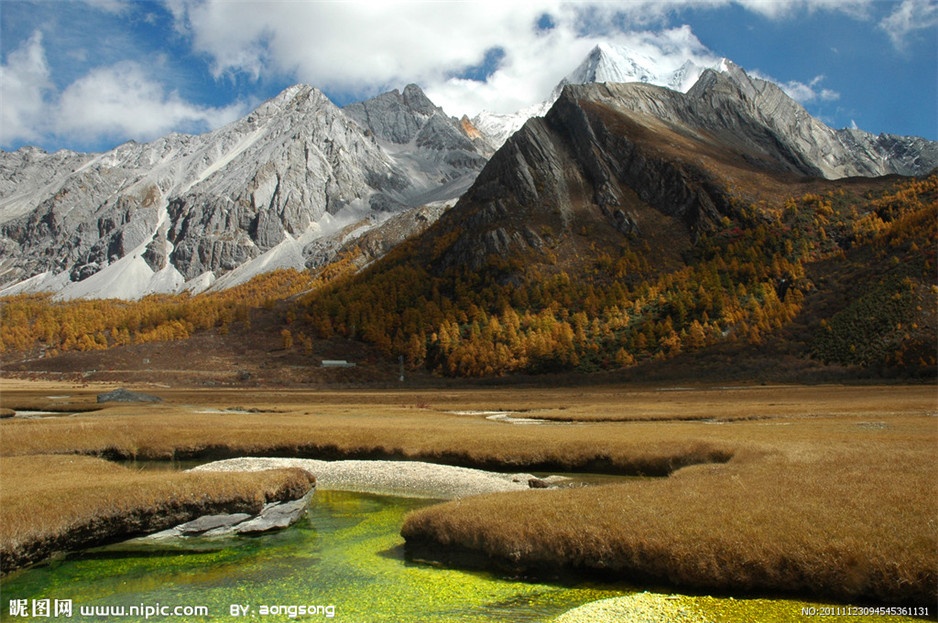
<point>650,162</point>
<point>298,180</point>
<point>824,151</point>
<point>634,223</point>
<point>604,63</point>
<point>184,210</point>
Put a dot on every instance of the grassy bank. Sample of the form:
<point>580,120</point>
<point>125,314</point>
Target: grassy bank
<point>52,504</point>
<point>379,425</point>
<point>834,507</point>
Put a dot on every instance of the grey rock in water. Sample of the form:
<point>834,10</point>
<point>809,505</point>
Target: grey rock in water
<point>276,516</point>
<point>211,522</point>
<point>125,395</point>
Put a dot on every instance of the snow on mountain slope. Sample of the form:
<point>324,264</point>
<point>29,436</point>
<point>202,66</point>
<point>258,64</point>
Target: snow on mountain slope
<point>611,63</point>
<point>182,211</point>
<point>432,148</point>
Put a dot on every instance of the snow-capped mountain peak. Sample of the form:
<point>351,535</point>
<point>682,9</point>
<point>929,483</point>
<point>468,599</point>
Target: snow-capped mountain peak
<point>619,63</point>
<point>607,62</point>
<point>286,184</point>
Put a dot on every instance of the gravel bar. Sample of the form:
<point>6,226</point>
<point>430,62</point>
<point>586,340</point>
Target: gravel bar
<point>401,478</point>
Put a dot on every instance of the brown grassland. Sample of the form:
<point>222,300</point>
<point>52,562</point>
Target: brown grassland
<point>824,490</point>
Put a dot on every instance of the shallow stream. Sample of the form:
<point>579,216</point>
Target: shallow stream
<point>345,560</point>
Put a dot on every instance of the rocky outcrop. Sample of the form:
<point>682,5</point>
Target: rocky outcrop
<point>318,164</point>
<point>273,516</point>
<point>592,160</point>
<point>125,395</point>
<point>395,116</point>
<point>742,108</point>
<point>183,211</point>
<point>421,137</point>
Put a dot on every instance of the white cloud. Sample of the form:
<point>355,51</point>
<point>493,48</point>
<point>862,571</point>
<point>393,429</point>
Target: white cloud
<point>909,17</point>
<point>802,92</point>
<point>116,102</point>
<point>350,46</point>
<point>783,9</point>
<point>355,49</point>
<point>528,75</point>
<point>24,83</point>
<point>365,48</point>
<point>122,101</point>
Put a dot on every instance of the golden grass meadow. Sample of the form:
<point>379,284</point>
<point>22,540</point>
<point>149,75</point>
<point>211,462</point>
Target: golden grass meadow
<point>817,490</point>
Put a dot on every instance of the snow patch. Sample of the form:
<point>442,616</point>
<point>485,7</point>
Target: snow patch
<point>287,254</point>
<point>43,282</point>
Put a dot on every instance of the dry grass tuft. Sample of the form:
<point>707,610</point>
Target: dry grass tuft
<point>377,425</point>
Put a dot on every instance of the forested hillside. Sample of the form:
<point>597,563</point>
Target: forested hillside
<point>845,276</point>
<point>39,324</point>
<point>747,280</point>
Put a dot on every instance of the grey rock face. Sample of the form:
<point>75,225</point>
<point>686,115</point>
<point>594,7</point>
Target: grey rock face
<point>319,164</point>
<point>753,113</point>
<point>275,516</point>
<point>371,237</point>
<point>211,522</point>
<point>731,101</point>
<point>149,217</point>
<point>394,116</point>
<point>423,139</point>
<point>597,157</point>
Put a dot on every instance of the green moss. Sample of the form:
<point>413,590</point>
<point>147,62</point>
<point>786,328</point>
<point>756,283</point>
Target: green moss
<point>348,554</point>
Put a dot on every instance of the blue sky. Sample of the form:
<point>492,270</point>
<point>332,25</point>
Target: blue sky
<point>90,74</point>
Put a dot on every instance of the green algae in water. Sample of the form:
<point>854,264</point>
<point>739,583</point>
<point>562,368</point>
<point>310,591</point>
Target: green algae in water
<point>347,554</point>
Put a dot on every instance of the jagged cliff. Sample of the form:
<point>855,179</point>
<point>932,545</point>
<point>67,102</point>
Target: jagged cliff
<point>617,160</point>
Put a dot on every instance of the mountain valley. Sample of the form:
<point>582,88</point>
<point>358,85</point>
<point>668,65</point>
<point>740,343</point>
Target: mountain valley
<point>630,225</point>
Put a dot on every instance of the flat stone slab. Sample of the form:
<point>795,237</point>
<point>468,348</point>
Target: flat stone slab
<point>212,522</point>
<point>274,516</point>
